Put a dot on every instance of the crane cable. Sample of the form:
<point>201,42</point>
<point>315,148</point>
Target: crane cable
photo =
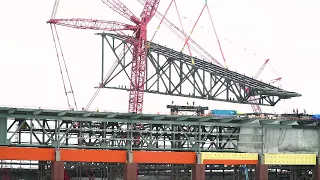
<point>193,28</point>
<point>161,21</point>
<point>53,15</point>
<point>215,32</point>
<point>62,77</point>
<point>175,31</point>
<point>175,4</point>
<point>108,75</point>
<point>55,9</point>
<point>66,69</point>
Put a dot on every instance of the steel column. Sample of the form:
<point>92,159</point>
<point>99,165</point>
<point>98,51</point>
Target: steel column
<point>3,131</point>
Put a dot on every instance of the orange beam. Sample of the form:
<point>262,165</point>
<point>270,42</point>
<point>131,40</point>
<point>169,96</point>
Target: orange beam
<point>119,156</point>
<point>164,157</point>
<point>39,154</point>
<point>229,162</point>
<point>84,155</point>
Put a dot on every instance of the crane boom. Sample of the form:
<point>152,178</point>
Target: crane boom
<point>255,107</point>
<point>261,69</point>
<point>93,24</point>
<point>121,9</point>
<point>150,8</point>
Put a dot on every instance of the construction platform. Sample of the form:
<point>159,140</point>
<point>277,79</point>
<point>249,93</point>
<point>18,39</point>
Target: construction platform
<point>65,144</point>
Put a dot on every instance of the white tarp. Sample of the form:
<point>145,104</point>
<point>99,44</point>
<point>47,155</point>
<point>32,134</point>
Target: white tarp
<point>278,140</point>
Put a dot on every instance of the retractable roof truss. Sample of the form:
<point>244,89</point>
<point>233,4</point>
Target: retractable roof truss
<point>170,72</point>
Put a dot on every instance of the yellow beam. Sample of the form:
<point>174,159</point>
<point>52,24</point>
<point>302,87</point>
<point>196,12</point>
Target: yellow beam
<point>290,159</point>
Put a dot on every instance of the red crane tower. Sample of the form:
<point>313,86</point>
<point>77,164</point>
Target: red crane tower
<point>139,55</point>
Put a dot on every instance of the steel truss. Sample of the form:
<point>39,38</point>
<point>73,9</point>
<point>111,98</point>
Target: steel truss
<point>173,73</point>
<point>109,130</point>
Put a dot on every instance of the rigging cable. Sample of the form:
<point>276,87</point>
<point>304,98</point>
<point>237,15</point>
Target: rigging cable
<point>65,65</point>
<point>161,21</point>
<point>175,4</point>
<point>55,9</point>
<point>193,28</point>
<point>193,46</point>
<point>57,52</point>
<point>215,32</point>
<point>108,75</point>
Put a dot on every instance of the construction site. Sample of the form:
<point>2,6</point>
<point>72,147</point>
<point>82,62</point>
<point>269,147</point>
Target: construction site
<point>190,142</point>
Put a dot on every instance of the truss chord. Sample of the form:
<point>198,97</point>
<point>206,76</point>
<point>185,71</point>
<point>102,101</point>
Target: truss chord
<point>215,32</point>
<point>66,69</point>
<point>63,81</point>
<point>193,27</point>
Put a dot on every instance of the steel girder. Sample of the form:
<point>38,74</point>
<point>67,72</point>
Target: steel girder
<point>173,73</point>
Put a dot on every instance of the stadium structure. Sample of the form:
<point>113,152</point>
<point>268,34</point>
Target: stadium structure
<point>222,144</point>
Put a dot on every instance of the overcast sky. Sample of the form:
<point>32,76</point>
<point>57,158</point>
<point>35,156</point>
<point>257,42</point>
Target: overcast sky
<point>285,31</point>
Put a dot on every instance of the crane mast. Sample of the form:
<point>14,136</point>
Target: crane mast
<point>139,41</point>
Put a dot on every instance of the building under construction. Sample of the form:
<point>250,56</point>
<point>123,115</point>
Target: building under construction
<point>57,144</point>
<point>71,144</point>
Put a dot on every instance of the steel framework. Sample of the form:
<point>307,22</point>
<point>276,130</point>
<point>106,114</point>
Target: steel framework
<point>108,130</point>
<point>170,72</point>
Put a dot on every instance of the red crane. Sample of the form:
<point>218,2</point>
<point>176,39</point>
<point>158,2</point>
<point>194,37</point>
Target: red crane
<point>255,107</point>
<point>139,56</point>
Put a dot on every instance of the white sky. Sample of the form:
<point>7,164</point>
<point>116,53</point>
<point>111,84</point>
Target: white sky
<point>285,31</point>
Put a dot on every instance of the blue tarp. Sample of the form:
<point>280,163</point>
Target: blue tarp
<point>316,116</point>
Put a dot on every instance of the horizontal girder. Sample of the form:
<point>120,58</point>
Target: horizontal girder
<point>170,72</point>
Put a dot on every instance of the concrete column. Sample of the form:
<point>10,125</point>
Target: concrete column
<point>130,171</point>
<point>57,167</point>
<point>261,172</point>
<point>130,168</point>
<point>57,170</point>
<point>198,169</point>
<point>316,172</point>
